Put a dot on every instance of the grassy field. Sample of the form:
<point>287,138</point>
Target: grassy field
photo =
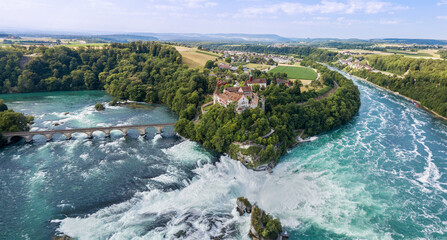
<point>194,58</point>
<point>257,66</point>
<point>296,72</point>
<point>208,53</point>
<point>410,54</point>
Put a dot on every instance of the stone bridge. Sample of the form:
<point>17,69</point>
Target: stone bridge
<point>28,136</point>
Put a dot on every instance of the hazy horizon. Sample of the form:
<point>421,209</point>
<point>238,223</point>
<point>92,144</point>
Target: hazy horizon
<point>362,19</point>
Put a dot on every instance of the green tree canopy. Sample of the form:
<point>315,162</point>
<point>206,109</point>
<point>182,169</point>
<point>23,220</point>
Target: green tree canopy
<point>3,106</point>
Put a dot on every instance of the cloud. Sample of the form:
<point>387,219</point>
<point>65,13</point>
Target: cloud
<point>442,17</point>
<point>175,4</point>
<point>442,2</point>
<point>389,22</point>
<point>324,7</point>
<point>342,21</point>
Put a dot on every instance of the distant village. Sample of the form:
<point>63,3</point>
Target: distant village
<point>238,57</point>
<point>355,64</point>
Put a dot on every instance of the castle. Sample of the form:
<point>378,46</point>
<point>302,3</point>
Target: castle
<point>244,97</point>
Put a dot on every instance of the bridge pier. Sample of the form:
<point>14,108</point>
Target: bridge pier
<point>8,140</point>
<point>124,131</point>
<point>107,132</point>
<point>67,136</point>
<point>142,131</point>
<point>28,138</point>
<point>159,129</point>
<point>89,135</point>
<point>48,137</point>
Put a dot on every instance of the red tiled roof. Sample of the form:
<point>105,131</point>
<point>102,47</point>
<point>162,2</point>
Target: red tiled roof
<point>237,89</point>
<point>221,83</point>
<point>258,81</point>
<point>279,81</point>
<point>230,96</point>
<point>247,89</point>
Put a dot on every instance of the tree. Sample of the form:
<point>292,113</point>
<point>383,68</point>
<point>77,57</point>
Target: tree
<point>209,64</point>
<point>91,81</point>
<point>99,107</point>
<point>272,229</point>
<point>228,59</point>
<point>443,54</point>
<point>3,106</point>
<point>240,69</point>
<point>11,121</point>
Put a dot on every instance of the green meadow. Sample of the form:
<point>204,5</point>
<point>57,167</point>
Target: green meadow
<point>296,72</point>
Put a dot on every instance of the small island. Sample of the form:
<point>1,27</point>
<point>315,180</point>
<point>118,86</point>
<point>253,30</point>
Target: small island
<point>99,107</point>
<point>262,225</point>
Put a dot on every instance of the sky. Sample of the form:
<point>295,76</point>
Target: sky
<point>363,19</point>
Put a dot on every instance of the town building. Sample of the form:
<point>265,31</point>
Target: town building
<point>261,82</point>
<point>285,82</point>
<point>242,96</point>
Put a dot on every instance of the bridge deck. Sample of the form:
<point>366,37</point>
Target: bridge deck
<point>75,130</point>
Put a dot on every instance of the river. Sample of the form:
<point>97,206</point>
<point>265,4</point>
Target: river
<point>382,176</point>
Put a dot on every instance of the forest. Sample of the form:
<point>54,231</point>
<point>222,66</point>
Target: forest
<point>424,80</point>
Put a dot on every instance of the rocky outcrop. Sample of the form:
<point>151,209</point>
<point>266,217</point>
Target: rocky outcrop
<point>262,225</point>
<point>247,153</point>
<point>243,206</point>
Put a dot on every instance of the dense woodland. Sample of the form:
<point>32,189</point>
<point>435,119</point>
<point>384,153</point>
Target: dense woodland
<point>424,80</point>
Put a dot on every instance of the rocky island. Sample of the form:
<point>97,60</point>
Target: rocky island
<point>262,225</point>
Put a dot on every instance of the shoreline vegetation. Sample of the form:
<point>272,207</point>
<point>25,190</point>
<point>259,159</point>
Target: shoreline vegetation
<point>421,81</point>
<point>435,114</point>
<point>11,121</point>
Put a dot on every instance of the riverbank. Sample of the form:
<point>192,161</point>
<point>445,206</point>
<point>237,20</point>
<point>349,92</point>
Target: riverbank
<point>398,94</point>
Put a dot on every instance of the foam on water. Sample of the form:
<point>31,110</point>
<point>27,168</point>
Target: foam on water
<point>204,208</point>
<point>156,138</point>
<point>188,151</point>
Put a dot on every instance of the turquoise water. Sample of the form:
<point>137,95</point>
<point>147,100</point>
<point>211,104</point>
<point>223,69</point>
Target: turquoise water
<point>382,176</point>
